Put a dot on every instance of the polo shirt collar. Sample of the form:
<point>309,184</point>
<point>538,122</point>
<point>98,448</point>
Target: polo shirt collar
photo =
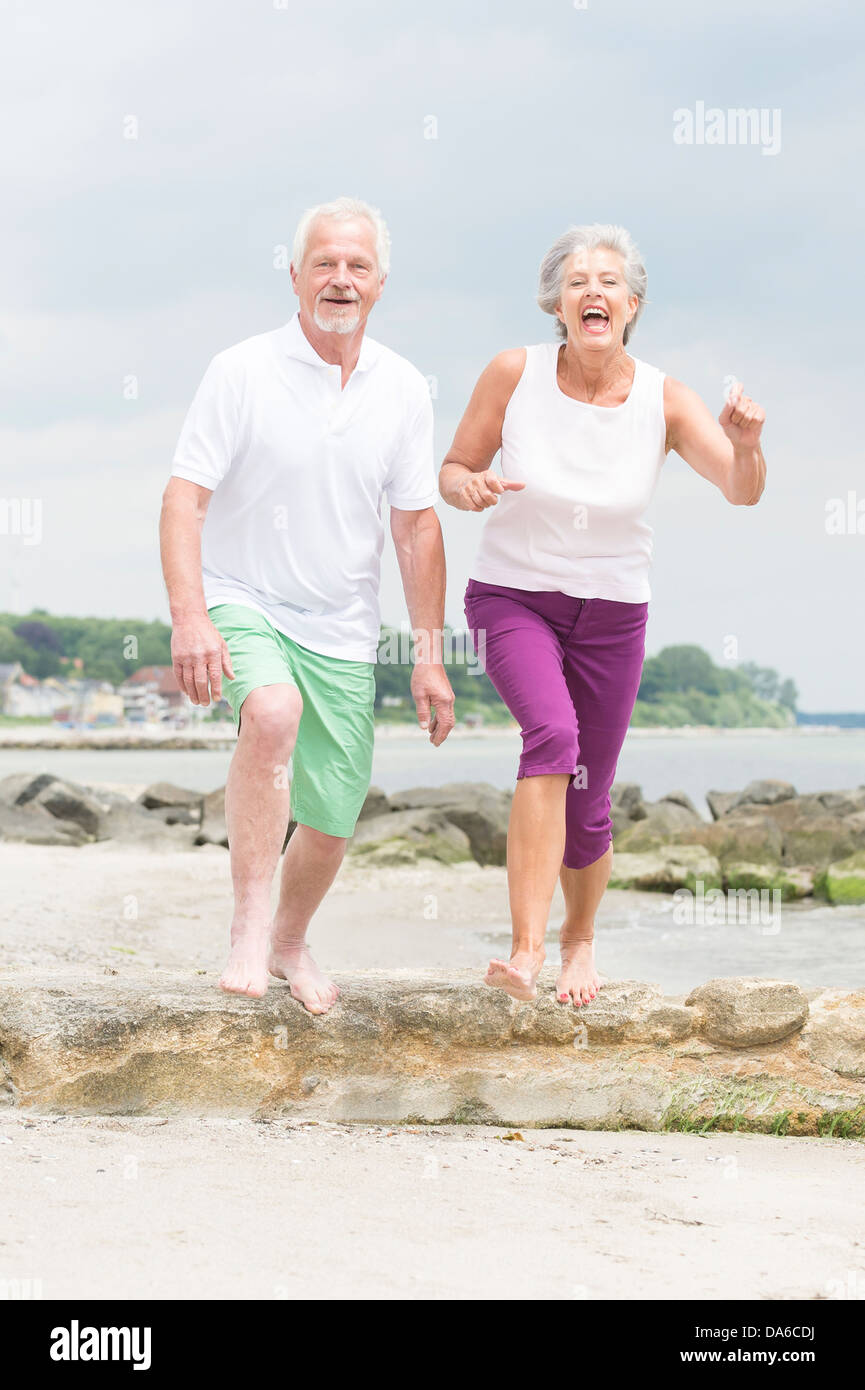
<point>296,344</point>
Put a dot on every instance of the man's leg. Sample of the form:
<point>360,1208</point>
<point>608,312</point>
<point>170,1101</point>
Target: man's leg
<point>257,812</point>
<point>309,866</point>
<point>332,765</point>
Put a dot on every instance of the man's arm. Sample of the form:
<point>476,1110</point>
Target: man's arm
<point>726,451</point>
<point>417,538</point>
<point>198,651</point>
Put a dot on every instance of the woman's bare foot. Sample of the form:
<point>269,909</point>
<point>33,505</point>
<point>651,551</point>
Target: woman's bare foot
<point>291,960</point>
<point>518,976</point>
<point>578,978</point>
<point>246,971</point>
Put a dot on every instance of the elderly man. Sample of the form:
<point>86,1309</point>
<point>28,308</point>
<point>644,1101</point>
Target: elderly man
<point>271,537</point>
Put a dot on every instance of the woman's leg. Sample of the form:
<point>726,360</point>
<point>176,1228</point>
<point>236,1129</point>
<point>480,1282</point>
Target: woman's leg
<point>602,665</point>
<point>536,843</point>
<point>516,636</point>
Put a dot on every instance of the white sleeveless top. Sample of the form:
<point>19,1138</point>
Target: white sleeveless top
<point>590,472</point>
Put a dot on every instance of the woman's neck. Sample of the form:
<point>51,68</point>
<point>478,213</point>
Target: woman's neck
<point>595,374</point>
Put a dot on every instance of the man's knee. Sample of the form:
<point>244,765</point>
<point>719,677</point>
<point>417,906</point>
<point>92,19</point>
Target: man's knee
<point>271,715</point>
<point>320,843</point>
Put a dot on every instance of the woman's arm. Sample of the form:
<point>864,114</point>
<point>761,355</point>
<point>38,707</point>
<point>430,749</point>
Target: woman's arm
<point>465,479</point>
<point>727,450</point>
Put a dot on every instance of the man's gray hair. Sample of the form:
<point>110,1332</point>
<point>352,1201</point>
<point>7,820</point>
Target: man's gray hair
<point>552,271</point>
<point>344,210</point>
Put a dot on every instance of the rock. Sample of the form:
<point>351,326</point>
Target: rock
<point>68,801</point>
<point>666,868</point>
<point>33,825</point>
<point>415,1047</point>
<point>403,837</point>
<point>176,805</point>
<point>843,803</point>
<point>818,840</point>
<point>21,787</point>
<point>844,881</point>
<point>766,791</point>
<point>666,1021</point>
<point>747,1012</point>
<point>480,810</point>
<point>84,813</point>
<point>790,882</point>
<point>720,803</point>
<point>662,824</point>
<point>627,798</point>
<point>742,835</point>
<point>376,804</point>
<point>679,798</point>
<point>834,1035</point>
<point>213,830</point>
<point>177,815</point>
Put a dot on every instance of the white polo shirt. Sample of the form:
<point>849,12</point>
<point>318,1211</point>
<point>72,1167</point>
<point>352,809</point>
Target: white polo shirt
<point>298,468</point>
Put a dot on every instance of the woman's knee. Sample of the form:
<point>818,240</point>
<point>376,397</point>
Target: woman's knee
<point>553,743</point>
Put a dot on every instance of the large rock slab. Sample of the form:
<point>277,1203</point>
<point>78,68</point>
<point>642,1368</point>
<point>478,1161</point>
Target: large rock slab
<point>844,881</point>
<point>834,1035</point>
<point>33,825</point>
<point>791,883</point>
<point>665,868</point>
<point>44,809</point>
<point>403,837</point>
<point>746,1012</point>
<point>765,791</point>
<point>174,805</point>
<point>720,803</point>
<point>480,810</point>
<point>626,805</point>
<point>213,830</point>
<point>375,804</point>
<point>422,1046</point>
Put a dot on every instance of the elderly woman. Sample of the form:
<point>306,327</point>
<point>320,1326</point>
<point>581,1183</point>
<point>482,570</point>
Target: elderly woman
<point>558,598</point>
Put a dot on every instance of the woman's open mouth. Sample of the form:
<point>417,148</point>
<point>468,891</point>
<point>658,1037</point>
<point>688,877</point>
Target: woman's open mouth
<point>595,319</point>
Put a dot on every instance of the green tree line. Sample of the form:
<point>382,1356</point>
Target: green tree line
<point>681,685</point>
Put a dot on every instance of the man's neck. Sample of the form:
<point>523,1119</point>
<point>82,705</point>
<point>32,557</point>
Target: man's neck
<point>339,349</point>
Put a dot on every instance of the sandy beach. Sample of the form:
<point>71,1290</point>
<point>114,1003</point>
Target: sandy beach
<point>221,1208</point>
<point>242,1210</point>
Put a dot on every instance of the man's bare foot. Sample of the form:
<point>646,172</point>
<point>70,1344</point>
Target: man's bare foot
<point>291,960</point>
<point>246,971</point>
<point>517,976</point>
<point>578,978</point>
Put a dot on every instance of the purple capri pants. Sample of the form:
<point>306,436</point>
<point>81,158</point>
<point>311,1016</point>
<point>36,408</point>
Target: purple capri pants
<point>568,670</point>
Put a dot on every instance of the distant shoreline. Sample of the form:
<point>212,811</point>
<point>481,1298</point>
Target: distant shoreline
<point>222,736</point>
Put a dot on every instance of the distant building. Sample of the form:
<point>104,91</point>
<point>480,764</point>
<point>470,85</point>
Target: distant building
<point>151,694</point>
<point>24,697</point>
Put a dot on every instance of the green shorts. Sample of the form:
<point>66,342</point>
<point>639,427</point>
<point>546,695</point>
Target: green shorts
<point>332,759</point>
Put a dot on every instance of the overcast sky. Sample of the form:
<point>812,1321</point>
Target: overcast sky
<point>139,258</point>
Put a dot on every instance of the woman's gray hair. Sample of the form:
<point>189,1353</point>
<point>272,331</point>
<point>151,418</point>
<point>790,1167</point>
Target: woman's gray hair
<point>344,210</point>
<point>552,271</point>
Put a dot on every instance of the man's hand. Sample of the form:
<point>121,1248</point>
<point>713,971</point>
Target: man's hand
<point>430,686</point>
<point>199,655</point>
<point>742,419</point>
<point>481,490</point>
